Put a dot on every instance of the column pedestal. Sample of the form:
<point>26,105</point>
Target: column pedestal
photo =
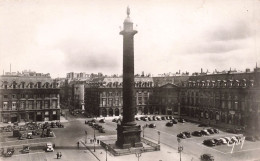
<point>128,136</point>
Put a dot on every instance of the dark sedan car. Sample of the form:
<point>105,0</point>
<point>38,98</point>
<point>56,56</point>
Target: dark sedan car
<point>211,131</point>
<point>169,124</point>
<point>196,133</point>
<point>216,131</point>
<point>181,135</point>
<point>187,134</point>
<point>181,120</point>
<point>174,121</point>
<point>152,125</point>
<point>209,142</point>
<point>202,125</point>
<point>204,132</point>
<point>206,157</point>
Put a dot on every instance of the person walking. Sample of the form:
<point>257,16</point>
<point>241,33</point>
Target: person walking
<point>57,155</point>
<point>78,144</point>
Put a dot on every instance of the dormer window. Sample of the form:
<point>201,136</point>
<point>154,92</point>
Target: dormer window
<point>47,85</point>
<point>38,84</point>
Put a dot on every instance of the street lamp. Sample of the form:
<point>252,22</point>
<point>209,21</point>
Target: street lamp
<point>94,140</point>
<point>180,148</point>
<point>86,136</point>
<point>106,152</point>
<point>138,154</point>
<point>159,137</point>
<point>143,130</point>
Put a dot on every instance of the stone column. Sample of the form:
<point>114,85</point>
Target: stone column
<point>128,134</point>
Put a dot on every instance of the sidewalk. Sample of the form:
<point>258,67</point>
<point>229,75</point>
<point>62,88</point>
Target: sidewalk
<point>165,154</point>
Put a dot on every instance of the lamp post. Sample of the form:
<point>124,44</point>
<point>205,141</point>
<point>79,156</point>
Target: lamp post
<point>106,152</point>
<point>86,136</point>
<point>180,148</point>
<point>159,137</point>
<point>143,130</point>
<point>138,154</point>
<point>94,140</point>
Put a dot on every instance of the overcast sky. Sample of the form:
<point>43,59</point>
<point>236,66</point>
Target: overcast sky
<point>61,36</point>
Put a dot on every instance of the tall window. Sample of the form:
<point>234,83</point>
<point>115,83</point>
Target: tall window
<point>22,105</point>
<point>38,104</point>
<point>14,106</point>
<point>30,104</point>
<point>5,105</point>
<point>54,103</point>
<point>46,104</point>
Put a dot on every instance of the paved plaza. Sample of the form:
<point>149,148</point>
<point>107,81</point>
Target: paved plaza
<point>66,142</point>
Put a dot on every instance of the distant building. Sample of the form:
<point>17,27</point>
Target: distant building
<point>152,96</point>
<point>29,96</point>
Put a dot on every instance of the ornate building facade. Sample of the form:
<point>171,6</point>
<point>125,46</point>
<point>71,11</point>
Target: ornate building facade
<point>229,99</point>
<point>29,96</point>
<point>104,97</point>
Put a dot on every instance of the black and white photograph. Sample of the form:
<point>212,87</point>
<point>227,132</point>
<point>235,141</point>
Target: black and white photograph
<point>130,80</point>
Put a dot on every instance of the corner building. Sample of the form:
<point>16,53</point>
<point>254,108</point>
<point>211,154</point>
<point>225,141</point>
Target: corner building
<point>29,97</point>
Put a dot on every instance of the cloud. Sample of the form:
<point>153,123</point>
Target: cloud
<point>231,31</point>
<point>215,47</point>
<point>82,55</point>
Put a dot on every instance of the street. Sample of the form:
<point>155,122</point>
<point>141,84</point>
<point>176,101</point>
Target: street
<point>74,131</point>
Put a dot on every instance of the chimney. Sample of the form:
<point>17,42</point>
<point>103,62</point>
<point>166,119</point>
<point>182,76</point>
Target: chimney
<point>201,70</point>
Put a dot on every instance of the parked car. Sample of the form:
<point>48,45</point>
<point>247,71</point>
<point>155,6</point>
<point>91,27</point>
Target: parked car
<point>26,149</point>
<point>22,136</point>
<point>196,133</point>
<point>234,139</point>
<point>217,141</point>
<point>204,132</point>
<point>102,120</point>
<point>181,120</point>
<point>163,118</point>
<point>158,118</point>
<point>174,121</point>
<point>36,132</point>
<point>145,119</point>
<point>137,119</point>
<point>169,124</point>
<point>223,141</point>
<point>209,142</point>
<point>211,131</point>
<point>49,147</point>
<point>167,118</point>
<point>9,152</point>
<point>250,138</point>
<point>101,130</point>
<point>216,131</point>
<point>206,157</point>
<point>171,117</point>
<point>152,125</point>
<point>59,125</point>
<point>149,119</point>
<point>187,134</point>
<point>181,135</point>
<point>202,125</point>
<point>114,120</point>
<point>228,139</point>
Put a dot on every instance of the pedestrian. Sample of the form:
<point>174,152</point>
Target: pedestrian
<point>60,154</point>
<point>53,145</point>
<point>78,144</point>
<point>97,141</point>
<point>57,155</point>
<point>91,141</point>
